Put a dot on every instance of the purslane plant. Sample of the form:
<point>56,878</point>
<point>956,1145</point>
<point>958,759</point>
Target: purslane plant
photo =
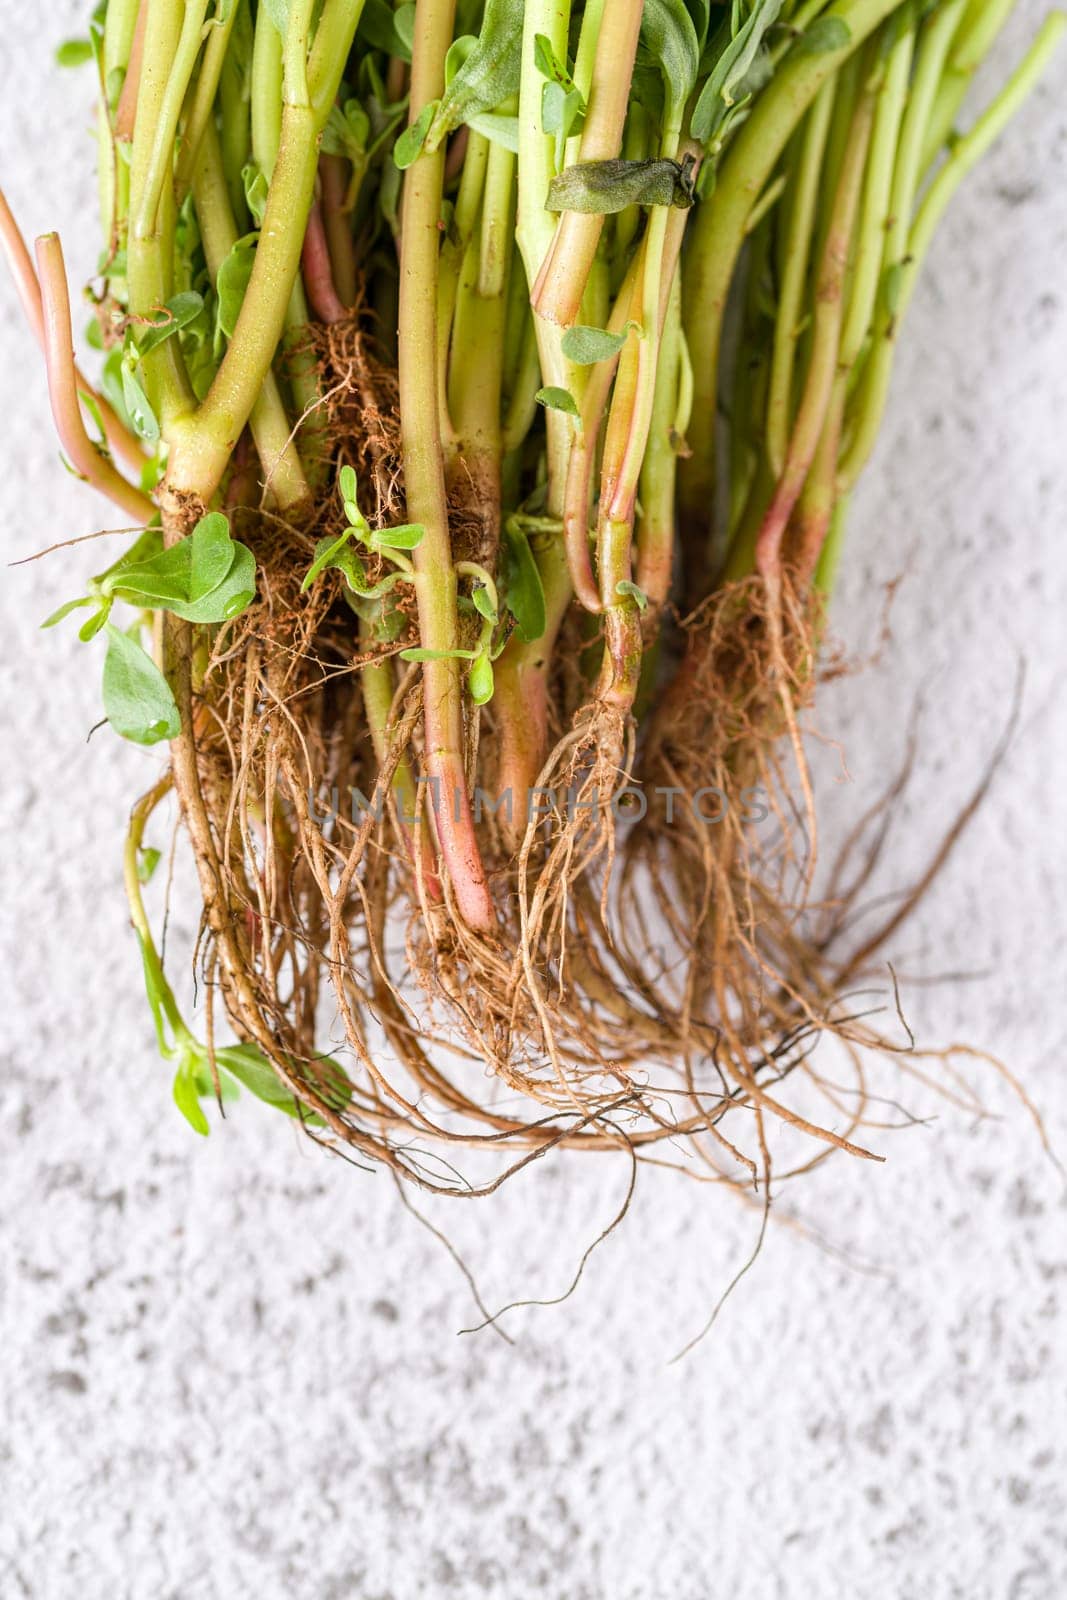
<point>486,383</point>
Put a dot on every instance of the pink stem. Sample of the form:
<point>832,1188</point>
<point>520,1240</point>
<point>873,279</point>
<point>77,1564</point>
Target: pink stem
<point>337,220</point>
<point>318,275</point>
<point>126,109</point>
<point>119,437</point>
<point>457,151</point>
<point>63,387</point>
<point>243,487</point>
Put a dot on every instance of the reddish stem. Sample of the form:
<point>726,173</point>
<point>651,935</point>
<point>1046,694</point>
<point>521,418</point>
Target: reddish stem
<point>121,440</point>
<point>63,387</point>
<point>243,487</point>
<point>457,151</point>
<point>318,274</point>
<point>333,173</point>
<point>126,110</point>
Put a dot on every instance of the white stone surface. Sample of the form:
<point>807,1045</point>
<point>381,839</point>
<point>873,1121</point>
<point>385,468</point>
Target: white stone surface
<point>232,1368</point>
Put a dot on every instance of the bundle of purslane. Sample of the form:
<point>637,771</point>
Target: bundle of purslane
<point>484,385</point>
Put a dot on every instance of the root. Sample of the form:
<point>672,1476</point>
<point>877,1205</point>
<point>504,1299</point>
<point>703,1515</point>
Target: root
<point>661,981</point>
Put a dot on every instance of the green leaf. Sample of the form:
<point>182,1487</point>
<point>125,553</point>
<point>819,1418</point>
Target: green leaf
<point>667,33</point>
<point>410,143</point>
<point>180,310</point>
<point>499,130</point>
<point>113,87</point>
<point>822,36</point>
<point>234,272</point>
<point>557,399</point>
<point>137,699</point>
<point>207,577</point>
<point>457,53</point>
<point>377,27</point>
<point>347,483</point>
<point>548,63</point>
<point>111,384</point>
<point>139,411</point>
<point>562,112</point>
<point>147,544</point>
<point>278,12</point>
<point>407,536</point>
<point>389,195</point>
<point>256,188</point>
<point>212,554</point>
<point>91,628</point>
<point>65,611</point>
<point>188,1101</point>
<point>584,345</point>
<point>483,603</point>
<point>346,132</point>
<point>326,552</point>
<point>611,186</point>
<point>490,74</point>
<point>356,578</point>
<point>252,1069</point>
<point>735,52</point>
<point>480,680</point>
<point>147,861</point>
<point>624,587</point>
<point>89,402</point>
<point>524,592</point>
<point>74,53</point>
<point>404,23</point>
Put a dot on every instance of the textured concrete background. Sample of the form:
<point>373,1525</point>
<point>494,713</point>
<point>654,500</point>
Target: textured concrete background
<point>231,1367</point>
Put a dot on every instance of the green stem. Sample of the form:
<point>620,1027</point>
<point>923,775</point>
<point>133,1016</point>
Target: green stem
<point>975,36</point>
<point>143,928</point>
<point>202,108</point>
<point>874,391</point>
<point>719,229</point>
<point>268,421</point>
<point>830,558</point>
<point>474,389</point>
<point>497,223</point>
<point>165,130</point>
<point>535,229</point>
<point>826,336</point>
<point>877,196</point>
<point>201,450</point>
<point>450,266</point>
<point>796,254</point>
<point>235,119</point>
<point>522,404</point>
<point>265,92</point>
<point>120,22</point>
<point>655,525</point>
<point>150,245</point>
